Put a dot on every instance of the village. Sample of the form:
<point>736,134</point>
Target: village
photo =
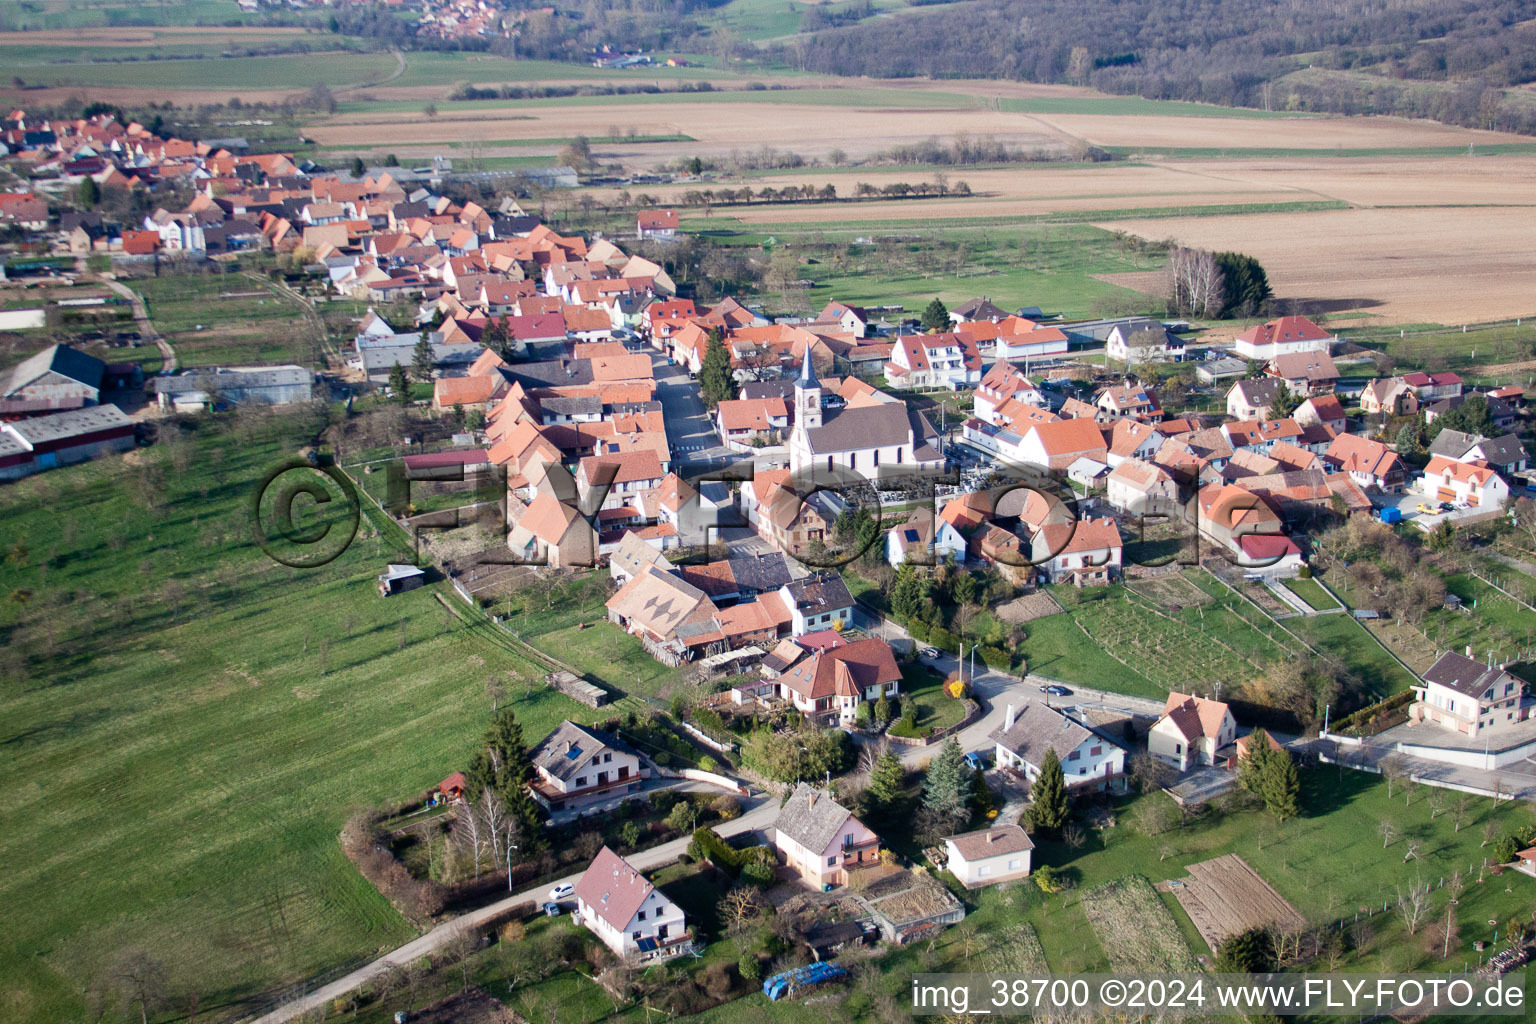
<point>845,543</point>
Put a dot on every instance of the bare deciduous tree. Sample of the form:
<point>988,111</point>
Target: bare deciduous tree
<point>461,945</point>
<point>141,980</point>
<point>1394,769</point>
<point>1388,832</point>
<point>1413,904</point>
<point>1195,282</point>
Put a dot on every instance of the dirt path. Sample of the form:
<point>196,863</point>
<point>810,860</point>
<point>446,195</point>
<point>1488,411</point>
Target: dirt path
<point>146,326</point>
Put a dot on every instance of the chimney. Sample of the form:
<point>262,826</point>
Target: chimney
<point>810,799</point>
<point>1469,650</point>
<point>992,837</point>
<point>1008,718</point>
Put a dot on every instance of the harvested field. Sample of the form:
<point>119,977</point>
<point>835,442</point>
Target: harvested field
<point>1171,592</point>
<point>1479,266</point>
<point>134,37</point>
<point>1226,897</point>
<point>1137,931</point>
<point>1027,608</point>
<point>1248,132</point>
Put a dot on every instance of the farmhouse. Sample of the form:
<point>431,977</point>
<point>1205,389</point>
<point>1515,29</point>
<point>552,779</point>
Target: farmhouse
<point>623,909</point>
<point>821,840</point>
<point>1465,696</point>
<point>1088,760</point>
<point>988,856</point>
<point>1192,731</point>
<point>578,766</point>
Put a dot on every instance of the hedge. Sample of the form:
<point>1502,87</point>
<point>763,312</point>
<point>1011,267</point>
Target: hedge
<point>1368,714</point>
<point>708,845</point>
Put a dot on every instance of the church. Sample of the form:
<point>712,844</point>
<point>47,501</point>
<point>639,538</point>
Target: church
<point>870,433</point>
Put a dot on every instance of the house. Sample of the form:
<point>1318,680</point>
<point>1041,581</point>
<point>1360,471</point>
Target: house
<point>980,308</point>
<point>1003,383</point>
<point>548,531</point>
<point>1059,444</point>
<point>831,681</point>
<point>817,602</point>
<point>924,538</point>
<point>656,224</point>
<point>1146,343</point>
<point>673,618</point>
<point>745,423</point>
<point>1465,696</point>
<point>1275,555</point>
<point>1322,410</point>
<point>820,840</point>
<point>1191,731</point>
<point>780,516</point>
<point>1304,373</point>
<point>452,788</point>
<point>1136,401</point>
<point>1140,488</point>
<point>1088,473</point>
<point>621,907</point>
<point>1388,396</point>
<point>1431,387</point>
<point>853,320</point>
<point>397,579</point>
<point>1086,552</point>
<point>1252,399</point>
<point>933,361</point>
<point>1473,483</point>
<point>1088,760</point>
<point>1225,513</point>
<point>1132,439</point>
<point>633,554</point>
<point>1500,412</point>
<point>577,766</point>
<point>1259,436</point>
<point>53,380</point>
<point>988,856</point>
<point>1370,464</point>
<point>1283,336</point>
<point>1505,454</point>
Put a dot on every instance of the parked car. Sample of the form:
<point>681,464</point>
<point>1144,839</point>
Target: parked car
<point>1446,506</point>
<point>1055,690</point>
<point>977,760</point>
<point>1425,509</point>
<point>930,652</point>
<point>562,892</point>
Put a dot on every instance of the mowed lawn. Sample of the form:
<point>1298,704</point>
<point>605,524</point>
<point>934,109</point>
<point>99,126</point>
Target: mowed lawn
<point>187,725</point>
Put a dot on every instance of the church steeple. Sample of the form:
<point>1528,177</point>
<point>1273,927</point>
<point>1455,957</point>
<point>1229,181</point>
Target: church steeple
<point>807,395</point>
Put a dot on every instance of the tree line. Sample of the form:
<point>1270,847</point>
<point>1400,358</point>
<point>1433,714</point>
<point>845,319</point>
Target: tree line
<point>1246,55</point>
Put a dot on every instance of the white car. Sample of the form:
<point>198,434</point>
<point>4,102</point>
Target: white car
<point>561,892</point>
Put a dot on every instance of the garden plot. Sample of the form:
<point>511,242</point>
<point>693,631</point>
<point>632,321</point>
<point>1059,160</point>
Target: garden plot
<point>1171,593</point>
<point>1017,951</point>
<point>1225,897</point>
<point>1137,931</point>
<point>1027,608</point>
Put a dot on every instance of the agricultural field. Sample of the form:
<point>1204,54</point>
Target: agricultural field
<point>200,721</point>
<point>226,74</point>
<point>1137,932</point>
<point>1225,897</point>
<point>1155,651</point>
<point>228,320</point>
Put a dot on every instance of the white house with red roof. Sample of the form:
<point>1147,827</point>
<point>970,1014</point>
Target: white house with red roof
<point>1281,336</point>
<point>622,908</point>
<point>1003,383</point>
<point>820,840</point>
<point>656,224</point>
<point>831,681</point>
<point>1368,463</point>
<point>1192,731</point>
<point>1088,551</point>
<point>1272,554</point>
<point>1431,387</point>
<point>933,361</point>
<point>1475,483</point>
<point>1322,410</point>
<point>1059,444</point>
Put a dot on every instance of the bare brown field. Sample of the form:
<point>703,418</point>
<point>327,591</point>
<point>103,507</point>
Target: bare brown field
<point>1384,181</point>
<point>1225,897</point>
<point>1265,133</point>
<point>1429,265</point>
